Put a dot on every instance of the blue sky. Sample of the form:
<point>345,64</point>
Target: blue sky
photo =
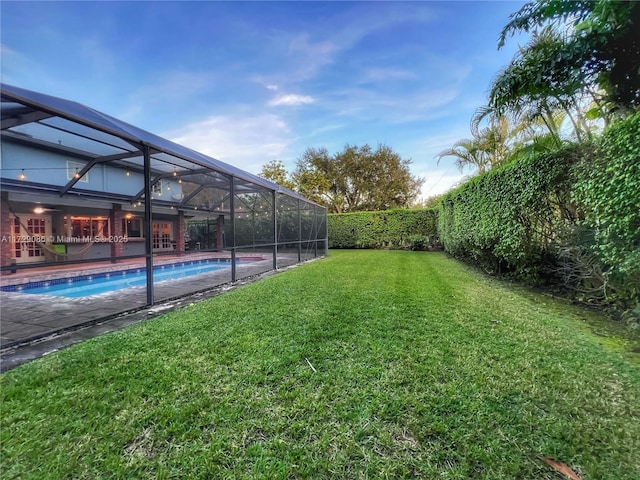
<point>251,82</point>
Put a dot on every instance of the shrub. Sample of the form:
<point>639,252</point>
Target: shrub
<point>508,218</point>
<point>608,190</point>
<point>419,242</point>
<point>570,217</point>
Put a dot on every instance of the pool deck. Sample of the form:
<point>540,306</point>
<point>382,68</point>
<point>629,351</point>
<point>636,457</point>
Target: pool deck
<point>26,318</point>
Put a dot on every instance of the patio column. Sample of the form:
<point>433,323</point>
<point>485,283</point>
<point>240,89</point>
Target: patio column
<point>299,231</point>
<point>232,231</point>
<point>5,233</point>
<point>117,247</point>
<point>181,228</point>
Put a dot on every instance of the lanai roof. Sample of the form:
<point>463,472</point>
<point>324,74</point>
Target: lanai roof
<point>47,119</point>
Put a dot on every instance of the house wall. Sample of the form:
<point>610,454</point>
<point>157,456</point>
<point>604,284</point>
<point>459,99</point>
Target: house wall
<point>43,166</point>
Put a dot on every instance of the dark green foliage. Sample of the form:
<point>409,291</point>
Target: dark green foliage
<point>419,243</point>
<point>597,45</point>
<point>609,192</point>
<point>570,217</point>
<point>415,229</point>
<point>507,218</point>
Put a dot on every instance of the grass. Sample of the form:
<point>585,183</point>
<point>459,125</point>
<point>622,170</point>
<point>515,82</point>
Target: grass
<point>368,364</point>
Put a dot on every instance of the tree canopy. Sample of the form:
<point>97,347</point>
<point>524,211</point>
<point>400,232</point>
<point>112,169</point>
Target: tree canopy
<point>276,172</point>
<point>578,46</point>
<point>579,70</point>
<point>490,146</point>
<point>355,179</point>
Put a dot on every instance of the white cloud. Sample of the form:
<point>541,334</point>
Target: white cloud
<point>386,73</point>
<point>304,54</point>
<point>244,140</point>
<point>272,87</point>
<point>291,100</point>
<point>309,57</point>
<point>367,103</point>
<point>4,50</point>
<point>176,85</point>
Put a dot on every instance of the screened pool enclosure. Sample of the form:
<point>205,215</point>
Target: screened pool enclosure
<point>90,202</point>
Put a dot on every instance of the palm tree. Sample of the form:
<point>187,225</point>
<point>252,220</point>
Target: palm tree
<point>467,153</point>
<point>490,146</point>
<point>582,47</point>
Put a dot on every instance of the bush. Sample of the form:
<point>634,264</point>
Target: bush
<point>386,229</point>
<point>419,242</point>
<point>507,219</point>
<point>570,218</point>
<point>608,190</point>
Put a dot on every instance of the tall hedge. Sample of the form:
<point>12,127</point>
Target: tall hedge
<point>507,219</point>
<point>385,229</point>
<point>571,217</point>
<point>608,190</point>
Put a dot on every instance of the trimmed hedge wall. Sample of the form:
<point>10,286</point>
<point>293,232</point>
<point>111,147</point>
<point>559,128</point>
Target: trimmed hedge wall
<point>415,229</point>
<point>608,189</point>
<point>509,218</point>
<point>569,218</point>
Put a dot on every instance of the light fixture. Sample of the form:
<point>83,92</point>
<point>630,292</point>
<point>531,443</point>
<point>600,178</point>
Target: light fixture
<point>22,176</point>
<point>179,180</point>
<point>38,210</point>
<point>127,173</point>
<point>77,175</point>
<point>128,216</point>
<point>175,173</point>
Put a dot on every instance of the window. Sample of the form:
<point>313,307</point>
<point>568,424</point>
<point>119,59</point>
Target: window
<point>37,228</point>
<point>87,226</point>
<point>132,227</point>
<point>17,253</point>
<point>73,168</point>
<point>156,188</point>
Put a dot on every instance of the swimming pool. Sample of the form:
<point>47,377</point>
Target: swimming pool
<point>86,285</point>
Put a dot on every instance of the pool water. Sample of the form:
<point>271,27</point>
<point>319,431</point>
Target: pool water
<point>87,285</point>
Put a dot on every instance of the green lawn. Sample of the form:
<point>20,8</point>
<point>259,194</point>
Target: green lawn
<point>368,364</point>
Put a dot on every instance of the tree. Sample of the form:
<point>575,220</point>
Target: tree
<point>275,172</point>
<point>524,91</point>
<point>430,202</point>
<point>587,45</point>
<point>356,179</point>
<point>467,153</point>
<point>490,146</point>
